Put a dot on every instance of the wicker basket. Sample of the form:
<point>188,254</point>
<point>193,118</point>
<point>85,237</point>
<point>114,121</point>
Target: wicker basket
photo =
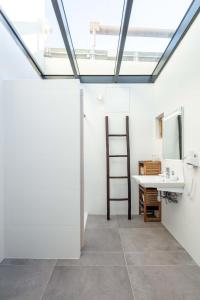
<point>149,167</point>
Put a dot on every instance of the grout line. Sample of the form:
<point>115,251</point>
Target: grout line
<point>50,276</point>
<point>143,228</point>
<point>152,250</point>
<point>126,266</point>
<point>91,266</point>
<point>102,228</point>
<point>156,251</point>
<point>103,252</point>
<point>28,264</point>
<point>176,266</point>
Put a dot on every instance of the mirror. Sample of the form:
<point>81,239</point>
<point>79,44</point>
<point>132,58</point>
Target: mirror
<point>173,135</point>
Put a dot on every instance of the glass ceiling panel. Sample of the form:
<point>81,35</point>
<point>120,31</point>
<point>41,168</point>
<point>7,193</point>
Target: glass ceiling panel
<point>151,27</point>
<point>94,27</point>
<point>37,26</point>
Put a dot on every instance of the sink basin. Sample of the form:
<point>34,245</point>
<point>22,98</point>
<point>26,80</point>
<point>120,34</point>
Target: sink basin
<point>159,182</point>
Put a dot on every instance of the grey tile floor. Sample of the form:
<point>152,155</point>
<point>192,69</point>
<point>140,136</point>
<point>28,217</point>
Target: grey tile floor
<point>121,260</point>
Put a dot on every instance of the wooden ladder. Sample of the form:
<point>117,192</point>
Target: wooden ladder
<point>128,177</point>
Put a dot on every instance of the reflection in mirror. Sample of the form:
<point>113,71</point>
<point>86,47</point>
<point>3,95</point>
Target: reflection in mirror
<point>173,135</point>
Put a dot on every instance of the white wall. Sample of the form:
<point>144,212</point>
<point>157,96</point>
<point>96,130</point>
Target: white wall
<point>118,101</point>
<point>179,85</point>
<point>13,65</point>
<point>42,168</point>
<point>1,179</point>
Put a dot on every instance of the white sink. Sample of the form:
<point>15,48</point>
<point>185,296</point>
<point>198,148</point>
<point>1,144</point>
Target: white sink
<point>159,182</point>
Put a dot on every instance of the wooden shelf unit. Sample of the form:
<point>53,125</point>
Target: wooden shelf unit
<point>148,203</point>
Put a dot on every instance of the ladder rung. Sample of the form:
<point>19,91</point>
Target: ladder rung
<point>117,134</point>
<point>120,155</point>
<point>118,199</point>
<point>118,177</point>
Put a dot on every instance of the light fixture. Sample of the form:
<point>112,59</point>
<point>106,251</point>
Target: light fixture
<point>100,97</point>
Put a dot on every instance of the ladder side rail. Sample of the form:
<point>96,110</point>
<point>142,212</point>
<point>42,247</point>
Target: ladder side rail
<point>107,168</point>
<point>128,168</point>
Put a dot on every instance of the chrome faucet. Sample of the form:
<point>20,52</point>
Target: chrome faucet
<point>167,171</point>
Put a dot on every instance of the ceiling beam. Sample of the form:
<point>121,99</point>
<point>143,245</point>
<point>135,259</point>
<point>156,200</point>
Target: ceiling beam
<point>122,36</point>
<point>56,76</point>
<point>106,78</point>
<point>185,24</point>
<point>64,29</point>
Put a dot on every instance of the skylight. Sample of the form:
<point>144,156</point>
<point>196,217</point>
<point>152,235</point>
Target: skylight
<point>151,27</point>
<point>37,26</point>
<point>83,38</point>
<point>95,33</point>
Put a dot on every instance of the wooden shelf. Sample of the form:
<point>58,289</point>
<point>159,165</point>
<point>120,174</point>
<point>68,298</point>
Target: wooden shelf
<point>148,196</point>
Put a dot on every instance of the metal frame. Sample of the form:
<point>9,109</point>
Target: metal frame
<point>106,78</point>
<point>182,29</point>
<point>10,28</point>
<point>185,24</point>
<point>122,36</point>
<point>64,29</point>
<point>58,76</point>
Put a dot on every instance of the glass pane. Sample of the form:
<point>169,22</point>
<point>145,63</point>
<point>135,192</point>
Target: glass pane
<point>94,27</point>
<point>37,25</point>
<point>151,28</point>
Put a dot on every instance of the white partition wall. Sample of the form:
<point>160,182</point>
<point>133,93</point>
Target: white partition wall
<point>1,179</point>
<point>13,65</point>
<point>42,168</point>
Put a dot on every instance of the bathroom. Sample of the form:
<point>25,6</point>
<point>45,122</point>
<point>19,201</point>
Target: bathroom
<point>55,239</point>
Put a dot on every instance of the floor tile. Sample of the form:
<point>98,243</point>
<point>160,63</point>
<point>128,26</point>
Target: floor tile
<point>94,259</point>
<point>100,221</point>
<point>23,282</point>
<point>95,283</point>
<point>165,283</point>
<point>146,239</point>
<point>136,222</point>
<point>29,262</point>
<point>153,258</point>
<point>159,268</point>
<point>102,240</point>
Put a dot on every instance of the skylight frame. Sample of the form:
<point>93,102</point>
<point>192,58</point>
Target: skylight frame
<point>12,31</point>
<point>122,36</point>
<point>65,32</point>
<point>180,32</point>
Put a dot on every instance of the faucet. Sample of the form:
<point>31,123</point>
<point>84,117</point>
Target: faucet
<point>167,172</point>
